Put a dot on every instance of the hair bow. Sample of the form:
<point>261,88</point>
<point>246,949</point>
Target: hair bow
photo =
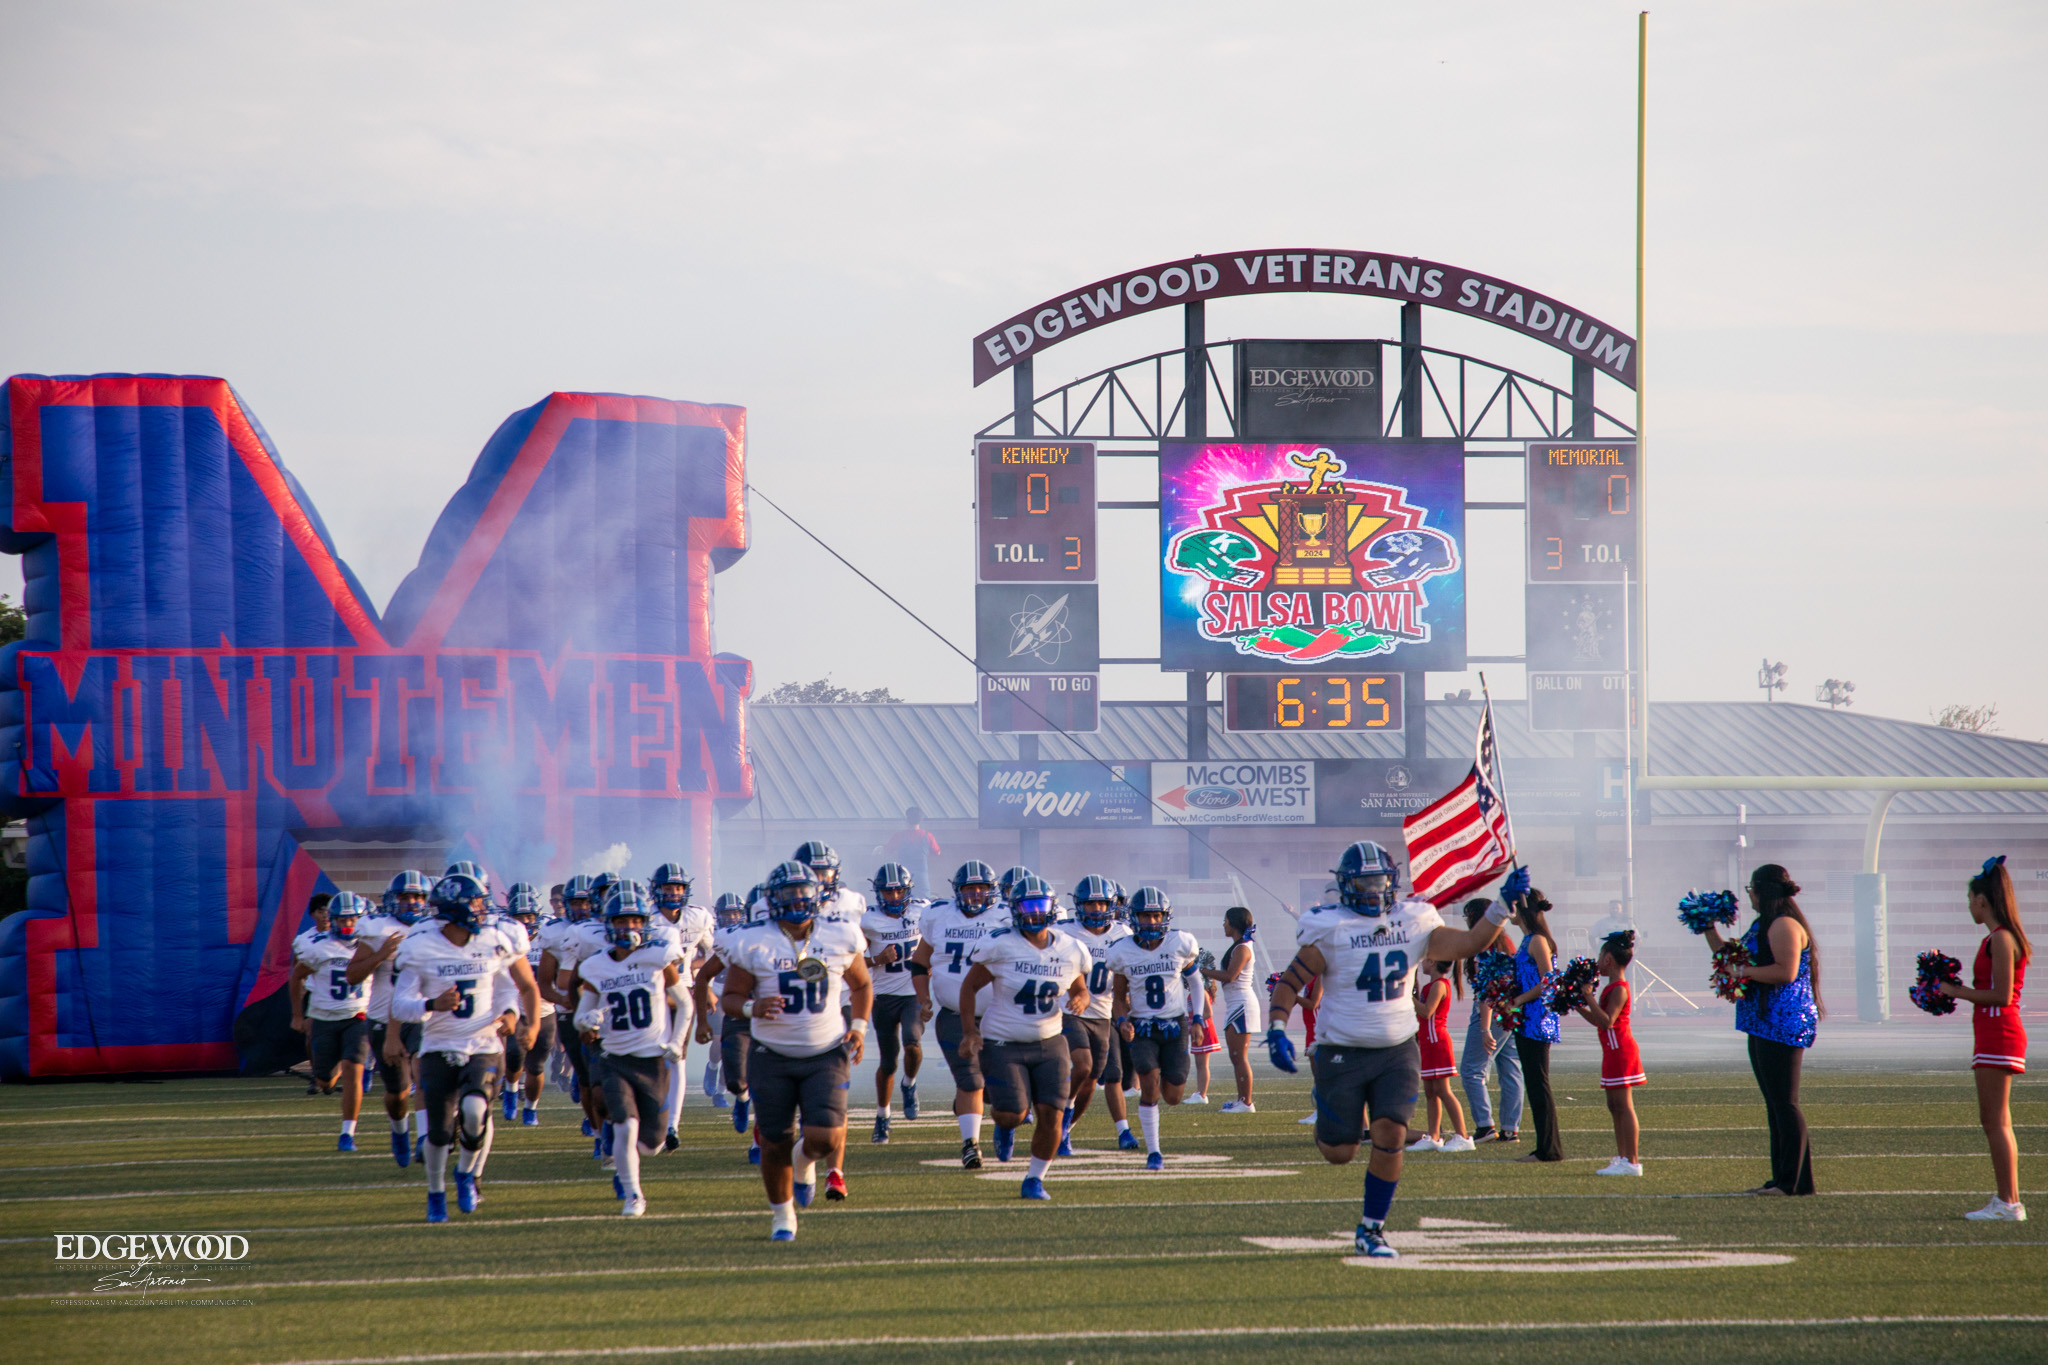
<point>1990,863</point>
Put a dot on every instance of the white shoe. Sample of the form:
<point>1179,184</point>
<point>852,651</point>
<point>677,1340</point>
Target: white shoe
<point>634,1206</point>
<point>1310,1119</point>
<point>1196,1099</point>
<point>610,1163</point>
<point>1238,1107</point>
<point>1620,1167</point>
<point>1998,1211</point>
<point>1425,1143</point>
<point>1131,1094</point>
<point>1457,1143</point>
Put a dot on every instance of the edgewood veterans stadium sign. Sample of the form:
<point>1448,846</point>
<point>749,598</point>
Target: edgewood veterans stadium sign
<point>1407,279</point>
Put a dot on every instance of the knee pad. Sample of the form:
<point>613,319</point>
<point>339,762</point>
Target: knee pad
<point>476,1108</point>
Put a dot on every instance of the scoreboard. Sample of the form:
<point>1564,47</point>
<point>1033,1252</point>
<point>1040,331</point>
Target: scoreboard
<point>1311,702</point>
<point>1582,510</point>
<point>1035,511</point>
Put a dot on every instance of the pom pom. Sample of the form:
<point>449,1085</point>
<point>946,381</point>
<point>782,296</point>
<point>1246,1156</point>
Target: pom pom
<point>1729,960</point>
<point>1702,909</point>
<point>1271,982</point>
<point>1207,960</point>
<point>1500,994</point>
<point>1490,966</point>
<point>1562,988</point>
<point>1935,967</point>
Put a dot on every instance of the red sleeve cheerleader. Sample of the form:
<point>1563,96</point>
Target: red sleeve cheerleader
<point>1621,1062</point>
<point>1434,1039</point>
<point>2001,1040</point>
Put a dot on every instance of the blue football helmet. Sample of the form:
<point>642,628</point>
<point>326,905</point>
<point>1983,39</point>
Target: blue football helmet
<point>1095,903</point>
<point>457,899</point>
<point>1006,885</point>
<point>1367,880</point>
<point>730,911</point>
<point>671,886</point>
<point>1032,903</point>
<point>757,899</point>
<point>576,898</point>
<point>792,893</point>
<point>405,900</point>
<point>625,918</point>
<point>524,904</point>
<point>973,887</point>
<point>475,871</point>
<point>343,912</point>
<point>1151,916</point>
<point>893,885</point>
<point>601,888</point>
<point>823,861</point>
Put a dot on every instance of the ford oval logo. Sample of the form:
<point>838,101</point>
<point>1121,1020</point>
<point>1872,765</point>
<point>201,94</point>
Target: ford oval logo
<point>1215,798</point>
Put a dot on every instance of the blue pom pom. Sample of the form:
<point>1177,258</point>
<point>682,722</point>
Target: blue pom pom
<point>1932,968</point>
<point>1489,967</point>
<point>1703,909</point>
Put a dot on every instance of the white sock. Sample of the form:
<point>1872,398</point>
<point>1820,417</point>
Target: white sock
<point>881,1111</point>
<point>398,1126</point>
<point>970,1127</point>
<point>807,1170</point>
<point>1037,1168</point>
<point>674,1106</point>
<point>437,1168</point>
<point>419,1123</point>
<point>784,1216</point>
<point>483,1151</point>
<point>1123,1125</point>
<point>1148,1119</point>
<point>626,1152</point>
<point>349,1126</point>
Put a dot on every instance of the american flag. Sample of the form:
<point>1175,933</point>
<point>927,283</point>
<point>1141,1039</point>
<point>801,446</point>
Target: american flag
<point>1463,839</point>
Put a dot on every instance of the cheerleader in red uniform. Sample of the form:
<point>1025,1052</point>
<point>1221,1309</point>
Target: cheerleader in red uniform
<point>1439,1064</point>
<point>1996,980</point>
<point>1621,1063</point>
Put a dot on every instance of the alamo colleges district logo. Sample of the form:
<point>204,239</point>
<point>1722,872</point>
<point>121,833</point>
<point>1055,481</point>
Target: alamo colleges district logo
<point>1311,567</point>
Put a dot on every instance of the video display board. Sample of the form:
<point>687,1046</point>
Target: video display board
<point>1280,556</point>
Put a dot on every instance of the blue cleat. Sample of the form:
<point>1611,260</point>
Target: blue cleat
<point>909,1093</point>
<point>1371,1240</point>
<point>754,1155</point>
<point>804,1193</point>
<point>1066,1145</point>
<point>618,1188</point>
<point>530,1116</point>
<point>575,1091</point>
<point>588,1130</point>
<point>369,1074</point>
<point>419,1149</point>
<point>347,1143</point>
<point>597,1149</point>
<point>1127,1141</point>
<point>740,1107</point>
<point>1034,1188</point>
<point>465,1192</point>
<point>401,1150</point>
<point>1006,1143</point>
<point>1067,1121</point>
<point>721,1101</point>
<point>437,1208</point>
<point>511,1101</point>
<point>782,1235</point>
<point>1155,1162</point>
<point>611,1135</point>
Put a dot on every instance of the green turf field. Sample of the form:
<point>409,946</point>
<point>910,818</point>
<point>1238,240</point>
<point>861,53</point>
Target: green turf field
<point>1234,1252</point>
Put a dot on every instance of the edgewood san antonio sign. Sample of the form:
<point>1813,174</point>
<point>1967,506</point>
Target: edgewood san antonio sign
<point>1306,270</point>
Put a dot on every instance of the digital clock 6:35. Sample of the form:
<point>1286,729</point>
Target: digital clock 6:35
<point>1312,701</point>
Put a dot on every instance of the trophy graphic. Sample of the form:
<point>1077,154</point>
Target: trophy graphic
<point>1313,525</point>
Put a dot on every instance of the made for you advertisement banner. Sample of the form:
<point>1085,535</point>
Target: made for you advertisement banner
<point>1229,792</point>
<point>1281,556</point>
<point>1066,794</point>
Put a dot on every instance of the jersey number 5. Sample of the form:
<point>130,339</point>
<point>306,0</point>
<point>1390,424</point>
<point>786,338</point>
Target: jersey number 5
<point>1377,987</point>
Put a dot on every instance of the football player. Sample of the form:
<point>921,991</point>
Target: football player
<point>1366,1063</point>
<point>585,937</point>
<point>835,900</point>
<point>629,995</point>
<point>1156,976</point>
<point>949,934</point>
<point>333,1011</point>
<point>735,1035</point>
<point>729,911</point>
<point>526,1072</point>
<point>690,925</point>
<point>450,979</point>
<point>395,1048</point>
<point>789,978</point>
<point>891,929</point>
<point>1091,1036</point>
<point>563,945</point>
<point>1029,967</point>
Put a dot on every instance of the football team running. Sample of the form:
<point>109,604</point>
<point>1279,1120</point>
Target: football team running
<point>460,1003</point>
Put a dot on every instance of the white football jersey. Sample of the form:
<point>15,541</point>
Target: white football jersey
<point>692,928</point>
<point>1098,946</point>
<point>1030,982</point>
<point>429,964</point>
<point>844,904</point>
<point>1367,965</point>
<point>954,936</point>
<point>304,937</point>
<point>811,1021</point>
<point>542,936</point>
<point>513,930</point>
<point>328,993</point>
<point>632,998</point>
<point>901,932</point>
<point>578,941</point>
<point>1156,984</point>
<point>378,930</point>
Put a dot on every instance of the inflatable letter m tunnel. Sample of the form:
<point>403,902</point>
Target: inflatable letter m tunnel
<point>209,721</point>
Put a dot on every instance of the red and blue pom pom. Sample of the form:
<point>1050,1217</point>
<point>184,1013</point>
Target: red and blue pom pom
<point>1700,910</point>
<point>1563,987</point>
<point>1935,968</point>
<point>1500,996</point>
<point>1725,978</point>
<point>1491,966</point>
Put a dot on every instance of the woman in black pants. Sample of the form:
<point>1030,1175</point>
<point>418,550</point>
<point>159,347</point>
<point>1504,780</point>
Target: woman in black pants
<point>1539,1026</point>
<point>1781,1014</point>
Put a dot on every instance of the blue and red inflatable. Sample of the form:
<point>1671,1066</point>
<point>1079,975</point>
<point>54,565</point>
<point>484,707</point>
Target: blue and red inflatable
<point>205,688</point>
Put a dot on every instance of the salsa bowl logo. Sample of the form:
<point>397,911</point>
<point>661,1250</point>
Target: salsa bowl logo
<point>1311,566</point>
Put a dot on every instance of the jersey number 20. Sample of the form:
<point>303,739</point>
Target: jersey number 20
<point>630,1008</point>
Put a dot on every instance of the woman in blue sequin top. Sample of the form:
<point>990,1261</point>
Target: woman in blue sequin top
<point>1781,1014</point>
<point>1539,1026</point>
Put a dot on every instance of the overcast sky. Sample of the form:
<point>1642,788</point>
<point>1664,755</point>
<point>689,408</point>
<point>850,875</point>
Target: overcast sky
<point>391,225</point>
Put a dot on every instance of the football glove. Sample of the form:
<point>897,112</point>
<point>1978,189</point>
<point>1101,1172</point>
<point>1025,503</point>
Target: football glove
<point>1516,886</point>
<point>1280,1050</point>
